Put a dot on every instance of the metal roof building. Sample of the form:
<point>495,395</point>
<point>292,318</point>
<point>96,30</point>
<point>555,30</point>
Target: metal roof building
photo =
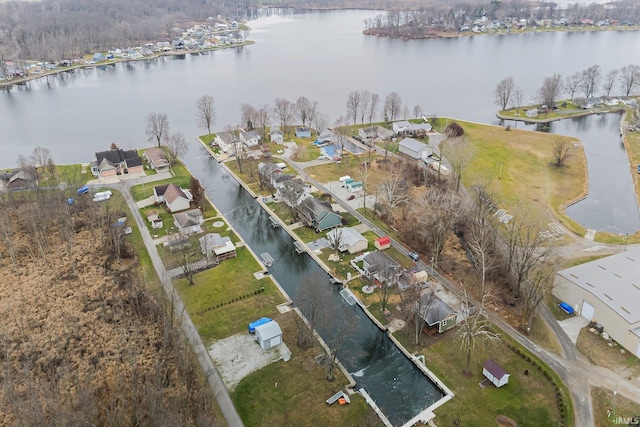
<point>606,291</point>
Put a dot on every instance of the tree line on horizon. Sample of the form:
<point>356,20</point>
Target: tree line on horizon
<point>587,82</point>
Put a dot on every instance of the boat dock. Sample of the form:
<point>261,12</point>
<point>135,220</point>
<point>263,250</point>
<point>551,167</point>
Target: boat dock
<point>274,222</point>
<point>267,259</point>
<point>299,247</point>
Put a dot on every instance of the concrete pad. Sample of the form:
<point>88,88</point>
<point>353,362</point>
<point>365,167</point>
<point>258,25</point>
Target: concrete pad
<point>572,326</point>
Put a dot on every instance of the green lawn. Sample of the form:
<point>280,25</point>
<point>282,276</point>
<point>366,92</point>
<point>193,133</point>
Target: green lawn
<point>293,393</point>
<point>516,162</point>
<point>524,399</point>
<point>350,165</point>
<point>231,287</point>
<point>606,406</point>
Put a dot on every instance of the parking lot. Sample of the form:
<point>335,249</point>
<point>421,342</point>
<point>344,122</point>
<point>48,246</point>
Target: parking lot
<point>342,193</point>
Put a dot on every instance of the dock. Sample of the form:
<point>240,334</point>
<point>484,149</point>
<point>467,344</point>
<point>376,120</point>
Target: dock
<point>335,281</point>
<point>267,259</point>
<point>299,247</point>
<point>274,222</point>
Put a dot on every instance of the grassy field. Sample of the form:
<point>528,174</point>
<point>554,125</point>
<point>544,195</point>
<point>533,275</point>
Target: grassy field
<point>231,287</point>
<point>516,163</point>
<point>528,396</point>
<point>606,406</point>
<point>293,393</point>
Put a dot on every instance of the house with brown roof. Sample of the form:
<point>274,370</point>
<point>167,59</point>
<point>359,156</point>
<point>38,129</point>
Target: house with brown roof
<point>156,159</point>
<point>189,222</point>
<point>175,198</point>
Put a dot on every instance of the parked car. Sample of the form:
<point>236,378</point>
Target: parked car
<point>351,197</point>
<point>414,256</point>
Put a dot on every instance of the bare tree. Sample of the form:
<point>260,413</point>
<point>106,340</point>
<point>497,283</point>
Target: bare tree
<point>305,109</point>
<point>247,116</point>
<point>572,83</point>
<point>364,104</point>
<point>503,93</point>
<point>550,90</point>
<point>610,81</point>
<point>188,265</point>
<point>336,238</point>
<point>320,122</point>
<point>157,127</point>
<point>421,308</point>
<point>262,119</point>
<point>629,78</point>
<point>206,112</point>
<point>481,240</point>
<point>518,95</point>
<point>373,106</point>
<point>535,288</point>
<point>393,190</point>
<point>458,152</point>
<point>241,154</point>
<point>474,330</point>
<point>176,144</point>
<point>392,106</point>
<point>562,149</point>
<point>525,251</point>
<point>284,111</point>
<point>590,80</point>
<point>354,99</point>
<point>388,278</point>
<point>417,111</point>
<point>41,157</point>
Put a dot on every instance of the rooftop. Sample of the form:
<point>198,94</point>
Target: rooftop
<point>614,280</point>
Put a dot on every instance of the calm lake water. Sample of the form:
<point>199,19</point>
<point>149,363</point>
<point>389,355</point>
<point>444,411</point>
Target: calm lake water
<point>321,55</point>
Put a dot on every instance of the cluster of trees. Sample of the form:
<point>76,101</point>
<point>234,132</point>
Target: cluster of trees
<point>588,82</point>
<point>158,131</point>
<point>364,105</point>
<point>451,16</point>
<point>50,31</point>
<point>87,342</point>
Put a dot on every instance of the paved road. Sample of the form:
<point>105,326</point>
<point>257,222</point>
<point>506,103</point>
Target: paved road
<point>213,376</point>
<point>572,367</point>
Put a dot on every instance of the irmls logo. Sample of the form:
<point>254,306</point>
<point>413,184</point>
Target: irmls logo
<point>625,421</point>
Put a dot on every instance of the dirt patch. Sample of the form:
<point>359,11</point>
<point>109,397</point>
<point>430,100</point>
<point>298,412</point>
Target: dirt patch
<point>239,355</point>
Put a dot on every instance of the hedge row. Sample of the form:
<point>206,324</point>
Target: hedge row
<point>241,297</point>
<point>560,397</point>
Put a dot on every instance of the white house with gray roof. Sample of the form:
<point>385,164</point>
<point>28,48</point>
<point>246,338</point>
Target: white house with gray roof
<point>348,239</point>
<point>606,291</point>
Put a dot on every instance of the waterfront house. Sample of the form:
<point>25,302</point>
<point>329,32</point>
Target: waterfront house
<point>437,314</point>
<point>20,179</point>
<point>318,215</point>
<point>98,57</point>
<point>175,198</point>
<point>251,138</point>
<point>348,239</point>
<point>226,141</point>
<point>156,159</point>
<point>189,222</point>
<point>330,151</point>
<point>303,132</point>
<point>268,171</point>
<point>116,162</point>
<point>217,247</point>
<point>372,134</point>
<point>380,267</point>
<point>401,126</point>
<point>292,192</point>
<point>276,135</point>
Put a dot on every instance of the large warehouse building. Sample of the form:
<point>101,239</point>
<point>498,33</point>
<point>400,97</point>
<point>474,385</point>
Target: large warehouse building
<point>606,291</point>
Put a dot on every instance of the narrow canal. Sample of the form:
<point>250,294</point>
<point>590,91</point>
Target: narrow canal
<point>395,384</point>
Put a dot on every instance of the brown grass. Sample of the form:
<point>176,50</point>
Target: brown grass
<point>603,407</point>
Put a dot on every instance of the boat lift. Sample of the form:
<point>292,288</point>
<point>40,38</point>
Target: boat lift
<point>267,259</point>
<point>299,247</point>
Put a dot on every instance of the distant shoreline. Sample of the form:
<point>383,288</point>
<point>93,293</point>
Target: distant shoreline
<point>8,84</point>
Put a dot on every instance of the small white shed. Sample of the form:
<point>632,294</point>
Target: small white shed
<point>269,335</point>
<point>495,373</point>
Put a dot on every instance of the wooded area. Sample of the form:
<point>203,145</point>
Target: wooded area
<point>84,341</point>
